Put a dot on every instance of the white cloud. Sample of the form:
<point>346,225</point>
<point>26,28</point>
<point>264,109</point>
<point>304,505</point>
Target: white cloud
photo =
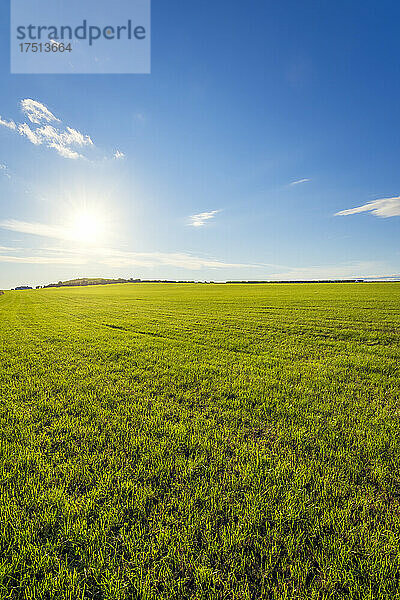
<point>107,256</point>
<point>76,137</point>
<point>113,257</point>
<point>7,249</point>
<point>65,151</point>
<point>66,138</point>
<point>182,260</point>
<point>201,219</point>
<point>116,259</point>
<point>40,229</point>
<point>299,181</point>
<point>26,131</point>
<point>121,259</point>
<point>137,259</point>
<point>118,154</point>
<point>63,141</point>
<point>41,260</point>
<point>385,207</point>
<point>9,124</point>
<point>37,112</point>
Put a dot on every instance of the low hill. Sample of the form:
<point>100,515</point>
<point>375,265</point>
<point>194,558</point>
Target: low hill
<point>89,281</point>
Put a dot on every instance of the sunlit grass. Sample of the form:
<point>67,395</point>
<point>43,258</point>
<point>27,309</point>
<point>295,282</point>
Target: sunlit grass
<point>200,441</point>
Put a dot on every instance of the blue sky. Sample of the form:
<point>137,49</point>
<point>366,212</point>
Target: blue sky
<point>191,172</point>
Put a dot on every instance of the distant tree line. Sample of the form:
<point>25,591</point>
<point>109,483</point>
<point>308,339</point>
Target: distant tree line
<point>307,281</point>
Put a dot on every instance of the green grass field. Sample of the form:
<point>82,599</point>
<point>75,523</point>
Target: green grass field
<point>200,442</point>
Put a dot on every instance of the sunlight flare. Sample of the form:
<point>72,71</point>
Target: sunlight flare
<point>88,227</point>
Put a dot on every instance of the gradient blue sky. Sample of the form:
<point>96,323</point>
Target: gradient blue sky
<point>244,99</point>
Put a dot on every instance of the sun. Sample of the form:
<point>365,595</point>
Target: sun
<point>88,227</point>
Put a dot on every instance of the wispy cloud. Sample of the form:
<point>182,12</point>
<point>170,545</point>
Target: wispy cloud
<point>201,219</point>
<point>39,229</point>
<point>8,248</point>
<point>117,258</point>
<point>64,141</point>
<point>118,154</point>
<point>4,170</point>
<point>8,124</point>
<point>65,151</point>
<point>107,256</point>
<point>66,138</point>
<point>42,260</point>
<point>353,270</point>
<point>25,130</point>
<point>299,181</point>
<point>120,259</point>
<point>385,207</point>
<point>37,112</point>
